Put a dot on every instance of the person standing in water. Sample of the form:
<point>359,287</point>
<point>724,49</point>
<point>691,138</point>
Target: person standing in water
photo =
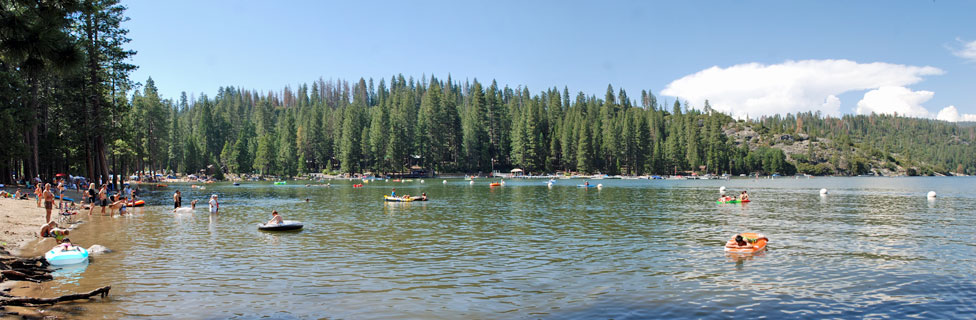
<point>103,197</point>
<point>214,205</point>
<point>177,200</point>
<point>91,198</point>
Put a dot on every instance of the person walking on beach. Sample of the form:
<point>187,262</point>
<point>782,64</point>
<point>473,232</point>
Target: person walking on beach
<point>214,205</point>
<point>177,200</point>
<point>60,193</point>
<point>48,201</point>
<point>37,193</point>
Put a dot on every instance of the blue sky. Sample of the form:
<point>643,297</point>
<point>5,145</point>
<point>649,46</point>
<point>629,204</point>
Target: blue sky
<point>746,57</point>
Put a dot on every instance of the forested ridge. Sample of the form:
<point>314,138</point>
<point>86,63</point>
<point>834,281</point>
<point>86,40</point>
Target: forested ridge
<point>91,120</point>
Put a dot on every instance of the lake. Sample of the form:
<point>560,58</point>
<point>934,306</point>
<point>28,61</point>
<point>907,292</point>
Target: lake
<point>872,247</point>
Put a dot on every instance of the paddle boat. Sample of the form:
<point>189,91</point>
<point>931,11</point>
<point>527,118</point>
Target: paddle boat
<point>756,242</point>
<point>61,255</point>
<point>397,199</point>
<point>287,225</point>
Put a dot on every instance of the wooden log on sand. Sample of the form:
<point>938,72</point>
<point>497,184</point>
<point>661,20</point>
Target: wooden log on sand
<point>33,302</point>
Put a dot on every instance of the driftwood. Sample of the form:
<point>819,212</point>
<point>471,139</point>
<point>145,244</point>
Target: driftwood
<point>36,270</point>
<point>24,269</point>
<point>28,301</point>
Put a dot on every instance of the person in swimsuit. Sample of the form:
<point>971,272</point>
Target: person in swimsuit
<point>177,200</point>
<point>48,201</point>
<point>51,230</point>
<point>38,191</point>
<point>103,197</point>
<point>275,218</point>
<point>91,198</point>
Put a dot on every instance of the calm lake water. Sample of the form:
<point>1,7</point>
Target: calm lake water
<point>873,247</point>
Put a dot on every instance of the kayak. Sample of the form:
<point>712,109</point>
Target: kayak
<point>137,203</point>
<point>285,226</point>
<point>278,183</point>
<point>586,186</point>
<point>758,241</point>
<point>733,201</point>
<point>397,199</point>
<point>57,256</point>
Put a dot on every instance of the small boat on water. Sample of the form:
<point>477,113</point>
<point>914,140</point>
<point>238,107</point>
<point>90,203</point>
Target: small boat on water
<point>733,201</point>
<point>237,183</point>
<point>137,203</point>
<point>756,241</point>
<point>495,184</point>
<point>397,199</point>
<point>61,256</point>
<point>278,183</point>
<point>287,225</point>
<point>160,185</point>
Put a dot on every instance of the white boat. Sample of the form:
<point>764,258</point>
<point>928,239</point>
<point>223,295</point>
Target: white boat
<point>61,256</point>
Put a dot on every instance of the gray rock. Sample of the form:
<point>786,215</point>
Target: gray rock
<point>97,249</point>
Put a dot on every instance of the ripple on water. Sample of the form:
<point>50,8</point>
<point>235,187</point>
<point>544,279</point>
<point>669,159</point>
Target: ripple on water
<point>635,249</point>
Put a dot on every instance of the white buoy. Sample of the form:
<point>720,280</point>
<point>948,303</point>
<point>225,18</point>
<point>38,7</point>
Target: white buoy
<point>444,182</point>
<point>931,194</point>
<point>823,191</point>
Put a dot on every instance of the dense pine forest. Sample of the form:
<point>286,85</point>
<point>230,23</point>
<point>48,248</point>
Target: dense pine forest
<point>67,105</point>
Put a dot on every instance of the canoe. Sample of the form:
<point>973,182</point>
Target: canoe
<point>288,225</point>
<point>137,203</point>
<point>495,184</point>
<point>57,256</point>
<point>758,241</point>
<point>397,199</point>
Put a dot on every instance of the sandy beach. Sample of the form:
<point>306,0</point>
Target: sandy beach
<point>20,221</point>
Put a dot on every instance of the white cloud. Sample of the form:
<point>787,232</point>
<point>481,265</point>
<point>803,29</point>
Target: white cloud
<point>891,100</point>
<point>952,115</point>
<point>755,89</point>
<point>968,50</point>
